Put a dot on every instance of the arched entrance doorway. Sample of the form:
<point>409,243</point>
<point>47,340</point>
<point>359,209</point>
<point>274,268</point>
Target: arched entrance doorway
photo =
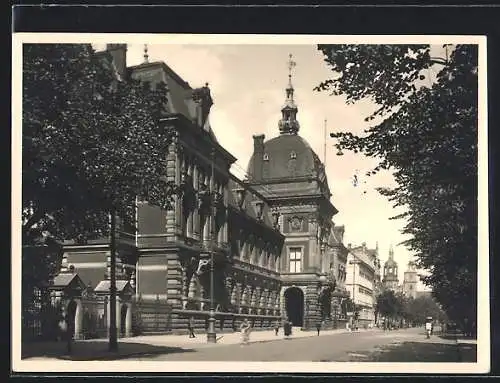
<point>123,320</point>
<point>294,305</point>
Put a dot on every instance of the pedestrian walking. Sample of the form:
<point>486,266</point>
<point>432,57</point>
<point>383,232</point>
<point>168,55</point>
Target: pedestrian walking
<point>287,328</point>
<point>318,326</point>
<point>276,327</point>
<point>245,328</point>
<point>428,329</point>
<point>191,327</point>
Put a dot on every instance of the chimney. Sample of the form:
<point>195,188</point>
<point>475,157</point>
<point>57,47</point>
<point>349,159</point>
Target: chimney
<point>119,54</point>
<point>258,156</point>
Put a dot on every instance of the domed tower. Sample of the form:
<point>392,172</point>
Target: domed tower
<point>410,280</point>
<point>287,171</point>
<point>390,279</point>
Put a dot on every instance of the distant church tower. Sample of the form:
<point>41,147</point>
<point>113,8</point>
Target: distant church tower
<point>390,279</point>
<point>410,281</point>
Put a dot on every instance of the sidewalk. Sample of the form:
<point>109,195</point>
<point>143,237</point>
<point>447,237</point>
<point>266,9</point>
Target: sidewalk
<point>225,338</point>
<point>97,349</point>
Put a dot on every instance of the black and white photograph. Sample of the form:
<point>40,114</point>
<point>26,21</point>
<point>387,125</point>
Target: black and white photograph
<point>250,203</point>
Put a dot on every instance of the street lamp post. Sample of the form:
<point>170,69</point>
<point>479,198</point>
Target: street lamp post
<point>113,341</point>
<point>211,335</point>
<point>354,262</point>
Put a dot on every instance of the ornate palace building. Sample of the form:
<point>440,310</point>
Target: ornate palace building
<point>269,240</point>
<point>289,174</point>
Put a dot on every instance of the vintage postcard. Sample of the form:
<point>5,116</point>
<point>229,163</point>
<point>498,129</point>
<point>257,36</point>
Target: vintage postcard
<point>250,203</point>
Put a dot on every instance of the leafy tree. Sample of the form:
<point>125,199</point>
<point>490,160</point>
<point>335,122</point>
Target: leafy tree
<point>91,144</point>
<point>425,132</point>
<point>418,309</point>
<point>387,304</point>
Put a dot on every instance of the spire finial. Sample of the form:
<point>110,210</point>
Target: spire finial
<point>146,56</point>
<point>288,123</point>
<point>391,252</point>
<point>291,65</point>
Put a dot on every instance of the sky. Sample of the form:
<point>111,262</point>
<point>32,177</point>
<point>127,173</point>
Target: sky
<point>247,83</point>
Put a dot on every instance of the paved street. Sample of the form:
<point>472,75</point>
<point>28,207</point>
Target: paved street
<point>357,346</point>
<point>408,345</point>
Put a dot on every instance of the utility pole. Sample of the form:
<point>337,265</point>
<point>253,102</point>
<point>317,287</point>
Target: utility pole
<point>211,335</point>
<point>113,342</point>
<point>324,147</point>
<point>354,262</point>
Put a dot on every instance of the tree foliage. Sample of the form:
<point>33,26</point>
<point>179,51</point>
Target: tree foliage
<point>90,143</point>
<point>425,132</point>
<point>388,305</point>
<point>419,308</point>
<point>397,306</point>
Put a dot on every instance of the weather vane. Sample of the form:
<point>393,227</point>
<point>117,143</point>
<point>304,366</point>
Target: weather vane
<point>291,65</point>
<point>146,56</point>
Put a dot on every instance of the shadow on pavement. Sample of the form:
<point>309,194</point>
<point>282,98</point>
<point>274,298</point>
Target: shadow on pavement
<point>98,350</point>
<point>408,352</point>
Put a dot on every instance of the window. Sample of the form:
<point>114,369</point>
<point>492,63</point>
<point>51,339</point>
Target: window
<point>266,157</point>
<point>341,272</point>
<point>365,274</point>
<point>293,155</point>
<point>364,290</point>
<point>295,259</point>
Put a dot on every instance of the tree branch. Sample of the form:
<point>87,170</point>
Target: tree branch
<point>33,219</point>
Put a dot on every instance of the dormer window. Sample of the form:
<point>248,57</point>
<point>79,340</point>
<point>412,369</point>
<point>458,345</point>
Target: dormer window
<point>265,157</point>
<point>293,155</point>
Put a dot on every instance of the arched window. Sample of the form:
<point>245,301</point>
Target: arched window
<point>265,157</point>
<point>293,155</point>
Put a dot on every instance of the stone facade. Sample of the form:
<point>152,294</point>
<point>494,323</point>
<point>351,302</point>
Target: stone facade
<point>363,265</point>
<point>219,224</point>
<point>290,175</point>
<point>390,279</point>
<point>264,248</point>
<point>410,281</point>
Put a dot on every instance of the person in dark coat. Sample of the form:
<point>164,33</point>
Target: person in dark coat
<point>287,328</point>
<point>191,327</point>
<point>276,327</point>
<point>318,326</point>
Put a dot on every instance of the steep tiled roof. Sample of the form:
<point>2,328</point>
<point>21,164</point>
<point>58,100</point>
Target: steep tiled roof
<point>103,286</point>
<point>64,280</point>
<point>249,206</point>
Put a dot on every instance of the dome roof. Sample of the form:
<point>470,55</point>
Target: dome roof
<point>390,263</point>
<point>286,156</point>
